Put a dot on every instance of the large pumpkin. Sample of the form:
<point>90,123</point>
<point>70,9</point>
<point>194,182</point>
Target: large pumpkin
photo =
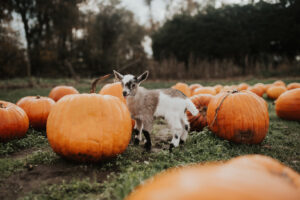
<point>89,127</point>
<point>275,91</point>
<point>233,180</point>
<point>201,101</point>
<point>14,122</point>
<point>59,91</point>
<point>240,117</point>
<point>293,86</point>
<point>37,109</point>
<point>184,88</point>
<point>205,90</point>
<point>287,106</point>
<point>114,89</point>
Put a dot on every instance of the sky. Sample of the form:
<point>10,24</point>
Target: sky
<point>140,10</point>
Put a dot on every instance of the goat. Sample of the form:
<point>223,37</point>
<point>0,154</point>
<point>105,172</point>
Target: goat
<point>145,104</point>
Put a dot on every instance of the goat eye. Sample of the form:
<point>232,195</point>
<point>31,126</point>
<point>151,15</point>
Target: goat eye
<point>133,85</point>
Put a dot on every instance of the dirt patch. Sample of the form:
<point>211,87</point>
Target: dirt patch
<point>35,176</point>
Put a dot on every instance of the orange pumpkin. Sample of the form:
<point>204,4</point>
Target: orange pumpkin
<point>242,86</point>
<point>293,86</point>
<point>14,122</point>
<point>184,88</point>
<point>261,86</point>
<point>89,127</point>
<point>194,86</point>
<point>287,106</point>
<point>114,89</point>
<point>37,109</point>
<point>279,83</point>
<point>59,91</point>
<point>241,117</point>
<point>218,88</point>
<point>256,90</point>
<point>201,101</point>
<point>231,180</point>
<point>275,91</point>
<point>205,90</point>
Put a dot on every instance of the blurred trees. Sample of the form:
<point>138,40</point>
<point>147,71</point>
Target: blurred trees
<point>245,34</point>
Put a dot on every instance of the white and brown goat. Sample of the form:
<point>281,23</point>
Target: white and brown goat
<point>146,104</point>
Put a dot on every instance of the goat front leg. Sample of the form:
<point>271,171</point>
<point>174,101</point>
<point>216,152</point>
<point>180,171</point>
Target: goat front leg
<point>146,131</point>
<point>138,132</point>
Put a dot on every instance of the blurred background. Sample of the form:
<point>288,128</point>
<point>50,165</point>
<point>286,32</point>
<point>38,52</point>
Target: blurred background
<point>174,39</point>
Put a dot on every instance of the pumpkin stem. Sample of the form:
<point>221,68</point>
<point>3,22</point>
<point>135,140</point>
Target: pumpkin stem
<point>95,82</point>
<point>2,105</point>
<point>38,97</point>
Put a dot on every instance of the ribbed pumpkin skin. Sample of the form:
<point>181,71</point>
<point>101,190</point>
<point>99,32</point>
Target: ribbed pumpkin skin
<point>89,127</point>
<point>114,89</point>
<point>231,181</point>
<point>205,90</point>
<point>184,88</point>
<point>14,122</point>
<point>59,91</point>
<point>293,86</point>
<point>275,91</point>
<point>242,86</point>
<point>201,101</point>
<point>242,118</point>
<point>287,106</point>
<point>37,109</point>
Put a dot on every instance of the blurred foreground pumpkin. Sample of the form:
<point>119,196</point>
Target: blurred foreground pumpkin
<point>253,177</point>
<point>238,116</point>
<point>14,122</point>
<point>287,106</point>
<point>37,109</point>
<point>89,127</point>
<point>59,91</point>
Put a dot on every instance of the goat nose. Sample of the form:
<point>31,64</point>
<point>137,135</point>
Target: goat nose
<point>124,93</point>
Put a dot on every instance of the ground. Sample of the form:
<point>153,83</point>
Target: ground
<point>29,169</point>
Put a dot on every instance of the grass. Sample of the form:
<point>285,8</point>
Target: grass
<point>135,165</point>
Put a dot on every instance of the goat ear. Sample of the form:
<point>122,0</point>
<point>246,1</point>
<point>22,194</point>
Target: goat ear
<point>118,76</point>
<point>143,77</point>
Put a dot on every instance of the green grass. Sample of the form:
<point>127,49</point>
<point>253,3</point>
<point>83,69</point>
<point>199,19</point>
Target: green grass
<point>135,165</point>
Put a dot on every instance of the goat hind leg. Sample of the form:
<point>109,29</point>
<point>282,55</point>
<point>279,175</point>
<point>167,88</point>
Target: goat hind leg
<point>138,132</point>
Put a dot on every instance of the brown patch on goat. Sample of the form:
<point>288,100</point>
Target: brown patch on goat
<point>174,93</point>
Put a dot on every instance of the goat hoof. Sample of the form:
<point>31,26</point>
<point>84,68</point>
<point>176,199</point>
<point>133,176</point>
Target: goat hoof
<point>136,142</point>
<point>148,146</point>
<point>171,147</point>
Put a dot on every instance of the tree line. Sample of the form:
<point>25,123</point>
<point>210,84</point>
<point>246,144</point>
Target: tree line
<point>61,40</point>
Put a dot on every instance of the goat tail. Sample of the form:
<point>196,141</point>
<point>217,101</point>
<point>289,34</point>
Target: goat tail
<point>191,107</point>
<point>95,82</point>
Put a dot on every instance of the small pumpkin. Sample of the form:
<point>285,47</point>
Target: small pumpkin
<point>256,90</point>
<point>275,91</point>
<point>184,88</point>
<point>89,127</point>
<point>37,109</point>
<point>14,122</point>
<point>242,86</point>
<point>238,116</point>
<point>114,89</point>
<point>293,86</point>
<point>201,101</point>
<point>279,83</point>
<point>287,106</point>
<point>205,90</point>
<point>262,179</point>
<point>59,91</point>
<point>194,86</point>
<point>218,88</point>
<point>262,86</point>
